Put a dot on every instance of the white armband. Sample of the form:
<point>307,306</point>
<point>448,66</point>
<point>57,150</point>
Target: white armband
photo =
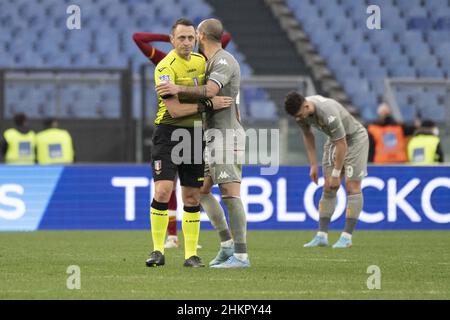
<point>336,173</point>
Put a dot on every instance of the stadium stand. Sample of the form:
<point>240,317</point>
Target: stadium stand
<point>34,35</point>
<point>414,42</point>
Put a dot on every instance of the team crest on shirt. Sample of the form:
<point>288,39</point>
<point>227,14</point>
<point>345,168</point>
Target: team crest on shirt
<point>157,164</point>
<point>164,77</point>
<point>331,119</point>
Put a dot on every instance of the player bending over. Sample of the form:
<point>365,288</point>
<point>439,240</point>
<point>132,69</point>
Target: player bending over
<point>345,153</point>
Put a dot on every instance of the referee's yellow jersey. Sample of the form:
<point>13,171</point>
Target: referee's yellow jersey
<point>179,71</point>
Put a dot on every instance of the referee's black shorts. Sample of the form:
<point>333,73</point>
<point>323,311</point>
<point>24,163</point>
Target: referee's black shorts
<point>189,164</point>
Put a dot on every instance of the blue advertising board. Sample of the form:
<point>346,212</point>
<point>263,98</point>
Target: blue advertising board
<point>118,197</point>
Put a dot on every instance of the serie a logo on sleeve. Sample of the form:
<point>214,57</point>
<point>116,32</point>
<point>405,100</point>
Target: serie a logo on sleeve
<point>164,77</point>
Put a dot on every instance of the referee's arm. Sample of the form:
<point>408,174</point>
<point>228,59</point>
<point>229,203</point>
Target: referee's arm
<point>179,110</point>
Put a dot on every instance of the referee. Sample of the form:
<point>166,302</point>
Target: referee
<point>179,116</point>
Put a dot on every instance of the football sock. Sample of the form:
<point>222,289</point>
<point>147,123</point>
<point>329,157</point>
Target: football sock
<point>354,207</point>
<point>191,230</point>
<point>323,224</point>
<point>172,228</point>
<point>215,213</point>
<point>238,223</point>
<point>159,220</point>
<point>327,204</point>
<point>350,225</point>
<point>227,243</point>
<point>172,225</point>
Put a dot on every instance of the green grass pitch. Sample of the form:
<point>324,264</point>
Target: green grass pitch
<point>414,265</point>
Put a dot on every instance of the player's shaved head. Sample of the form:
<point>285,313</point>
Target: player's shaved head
<point>212,28</point>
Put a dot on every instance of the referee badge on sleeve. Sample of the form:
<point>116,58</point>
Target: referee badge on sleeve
<point>164,77</point>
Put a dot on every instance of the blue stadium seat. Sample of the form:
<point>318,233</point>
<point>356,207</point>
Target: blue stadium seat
<point>430,72</point>
<point>402,71</point>
<point>356,86</point>
<point>330,48</point>
<point>442,49</point>
<point>417,49</point>
<point>380,37</point>
<point>389,50</point>
<point>424,61</point>
<point>437,7</point>
<point>435,37</point>
<point>262,110</point>
<point>347,72</point>
<point>374,72</point>
<point>408,112</point>
<point>407,4</point>
<point>403,52</point>
<point>45,18</point>
<point>420,23</point>
<point>443,22</point>
<point>435,112</point>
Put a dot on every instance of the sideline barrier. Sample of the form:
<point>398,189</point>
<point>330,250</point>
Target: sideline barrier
<point>95,197</point>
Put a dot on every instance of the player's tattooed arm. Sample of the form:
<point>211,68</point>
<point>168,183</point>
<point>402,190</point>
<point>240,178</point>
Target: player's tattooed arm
<point>211,89</point>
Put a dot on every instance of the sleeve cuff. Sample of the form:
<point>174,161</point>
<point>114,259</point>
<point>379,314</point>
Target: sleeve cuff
<point>217,82</point>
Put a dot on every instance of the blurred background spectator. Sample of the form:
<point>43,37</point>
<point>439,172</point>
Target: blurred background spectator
<point>425,147</point>
<point>18,143</point>
<point>388,138</point>
<point>54,145</point>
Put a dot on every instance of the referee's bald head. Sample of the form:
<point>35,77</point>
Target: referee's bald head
<point>212,29</point>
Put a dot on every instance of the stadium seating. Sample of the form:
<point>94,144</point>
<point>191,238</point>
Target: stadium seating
<point>414,42</point>
<point>34,34</point>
